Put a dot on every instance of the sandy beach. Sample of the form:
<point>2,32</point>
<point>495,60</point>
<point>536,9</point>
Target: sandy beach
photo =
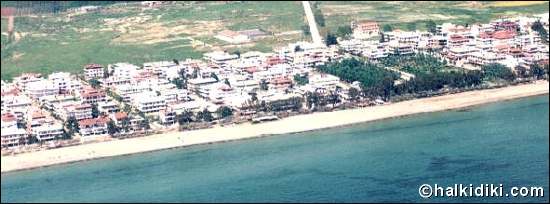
<point>293,124</point>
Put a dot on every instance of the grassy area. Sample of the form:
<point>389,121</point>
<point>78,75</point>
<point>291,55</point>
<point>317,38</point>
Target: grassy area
<point>401,14</point>
<point>129,33</point>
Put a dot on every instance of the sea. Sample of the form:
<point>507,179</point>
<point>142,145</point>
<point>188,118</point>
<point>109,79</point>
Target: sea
<point>382,161</point>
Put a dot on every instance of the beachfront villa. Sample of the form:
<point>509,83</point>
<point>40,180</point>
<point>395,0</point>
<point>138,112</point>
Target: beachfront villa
<point>93,126</point>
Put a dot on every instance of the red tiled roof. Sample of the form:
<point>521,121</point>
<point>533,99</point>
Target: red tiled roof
<point>8,117</point>
<point>93,121</point>
<point>120,115</point>
<point>83,106</point>
<point>504,34</point>
<point>91,92</point>
<point>274,60</point>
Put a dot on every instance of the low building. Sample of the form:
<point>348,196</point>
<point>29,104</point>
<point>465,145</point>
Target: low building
<point>199,85</point>
<point>108,107</point>
<point>47,131</point>
<point>280,83</point>
<point>92,71</point>
<point>365,29</point>
<point>127,123</point>
<point>167,116</point>
<point>232,37</point>
<point>12,135</point>
<point>397,48</point>
<point>149,103</point>
<point>253,34</point>
<point>92,96</point>
<point>93,126</point>
<point>324,81</point>
<point>65,82</point>
<point>78,111</point>
<point>38,89</point>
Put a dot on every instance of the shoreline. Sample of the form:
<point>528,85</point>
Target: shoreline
<point>293,124</point>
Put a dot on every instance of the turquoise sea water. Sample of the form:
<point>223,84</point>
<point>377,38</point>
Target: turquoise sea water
<point>501,143</point>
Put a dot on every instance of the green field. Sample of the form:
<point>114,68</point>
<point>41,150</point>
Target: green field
<point>128,33</point>
<point>400,14</point>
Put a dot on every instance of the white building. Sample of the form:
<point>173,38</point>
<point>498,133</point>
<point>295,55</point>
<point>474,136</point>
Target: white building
<point>78,111</point>
<point>41,88</point>
<point>93,126</point>
<point>149,102</point>
<point>219,58</point>
<point>65,82</point>
<point>93,71</point>
<point>198,85</point>
<point>326,81</point>
<point>48,131</point>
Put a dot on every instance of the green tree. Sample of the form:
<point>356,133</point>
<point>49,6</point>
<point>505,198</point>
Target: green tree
<point>522,72</point>
<point>538,72</point>
<point>71,124</point>
<point>178,82</point>
<point>301,80</point>
<point>387,28</point>
<point>205,115</point>
<point>331,39</point>
<point>185,117</point>
<point>539,28</point>
<point>95,111</point>
<point>497,71</point>
<point>263,85</point>
<point>112,128</point>
<point>238,53</point>
<point>224,111</point>
<point>125,124</point>
<point>312,100</point>
<point>94,83</point>
<point>353,93</point>
<point>431,26</point>
<point>343,31</point>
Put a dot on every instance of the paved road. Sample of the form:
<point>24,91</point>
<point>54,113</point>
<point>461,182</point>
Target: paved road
<point>312,24</point>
